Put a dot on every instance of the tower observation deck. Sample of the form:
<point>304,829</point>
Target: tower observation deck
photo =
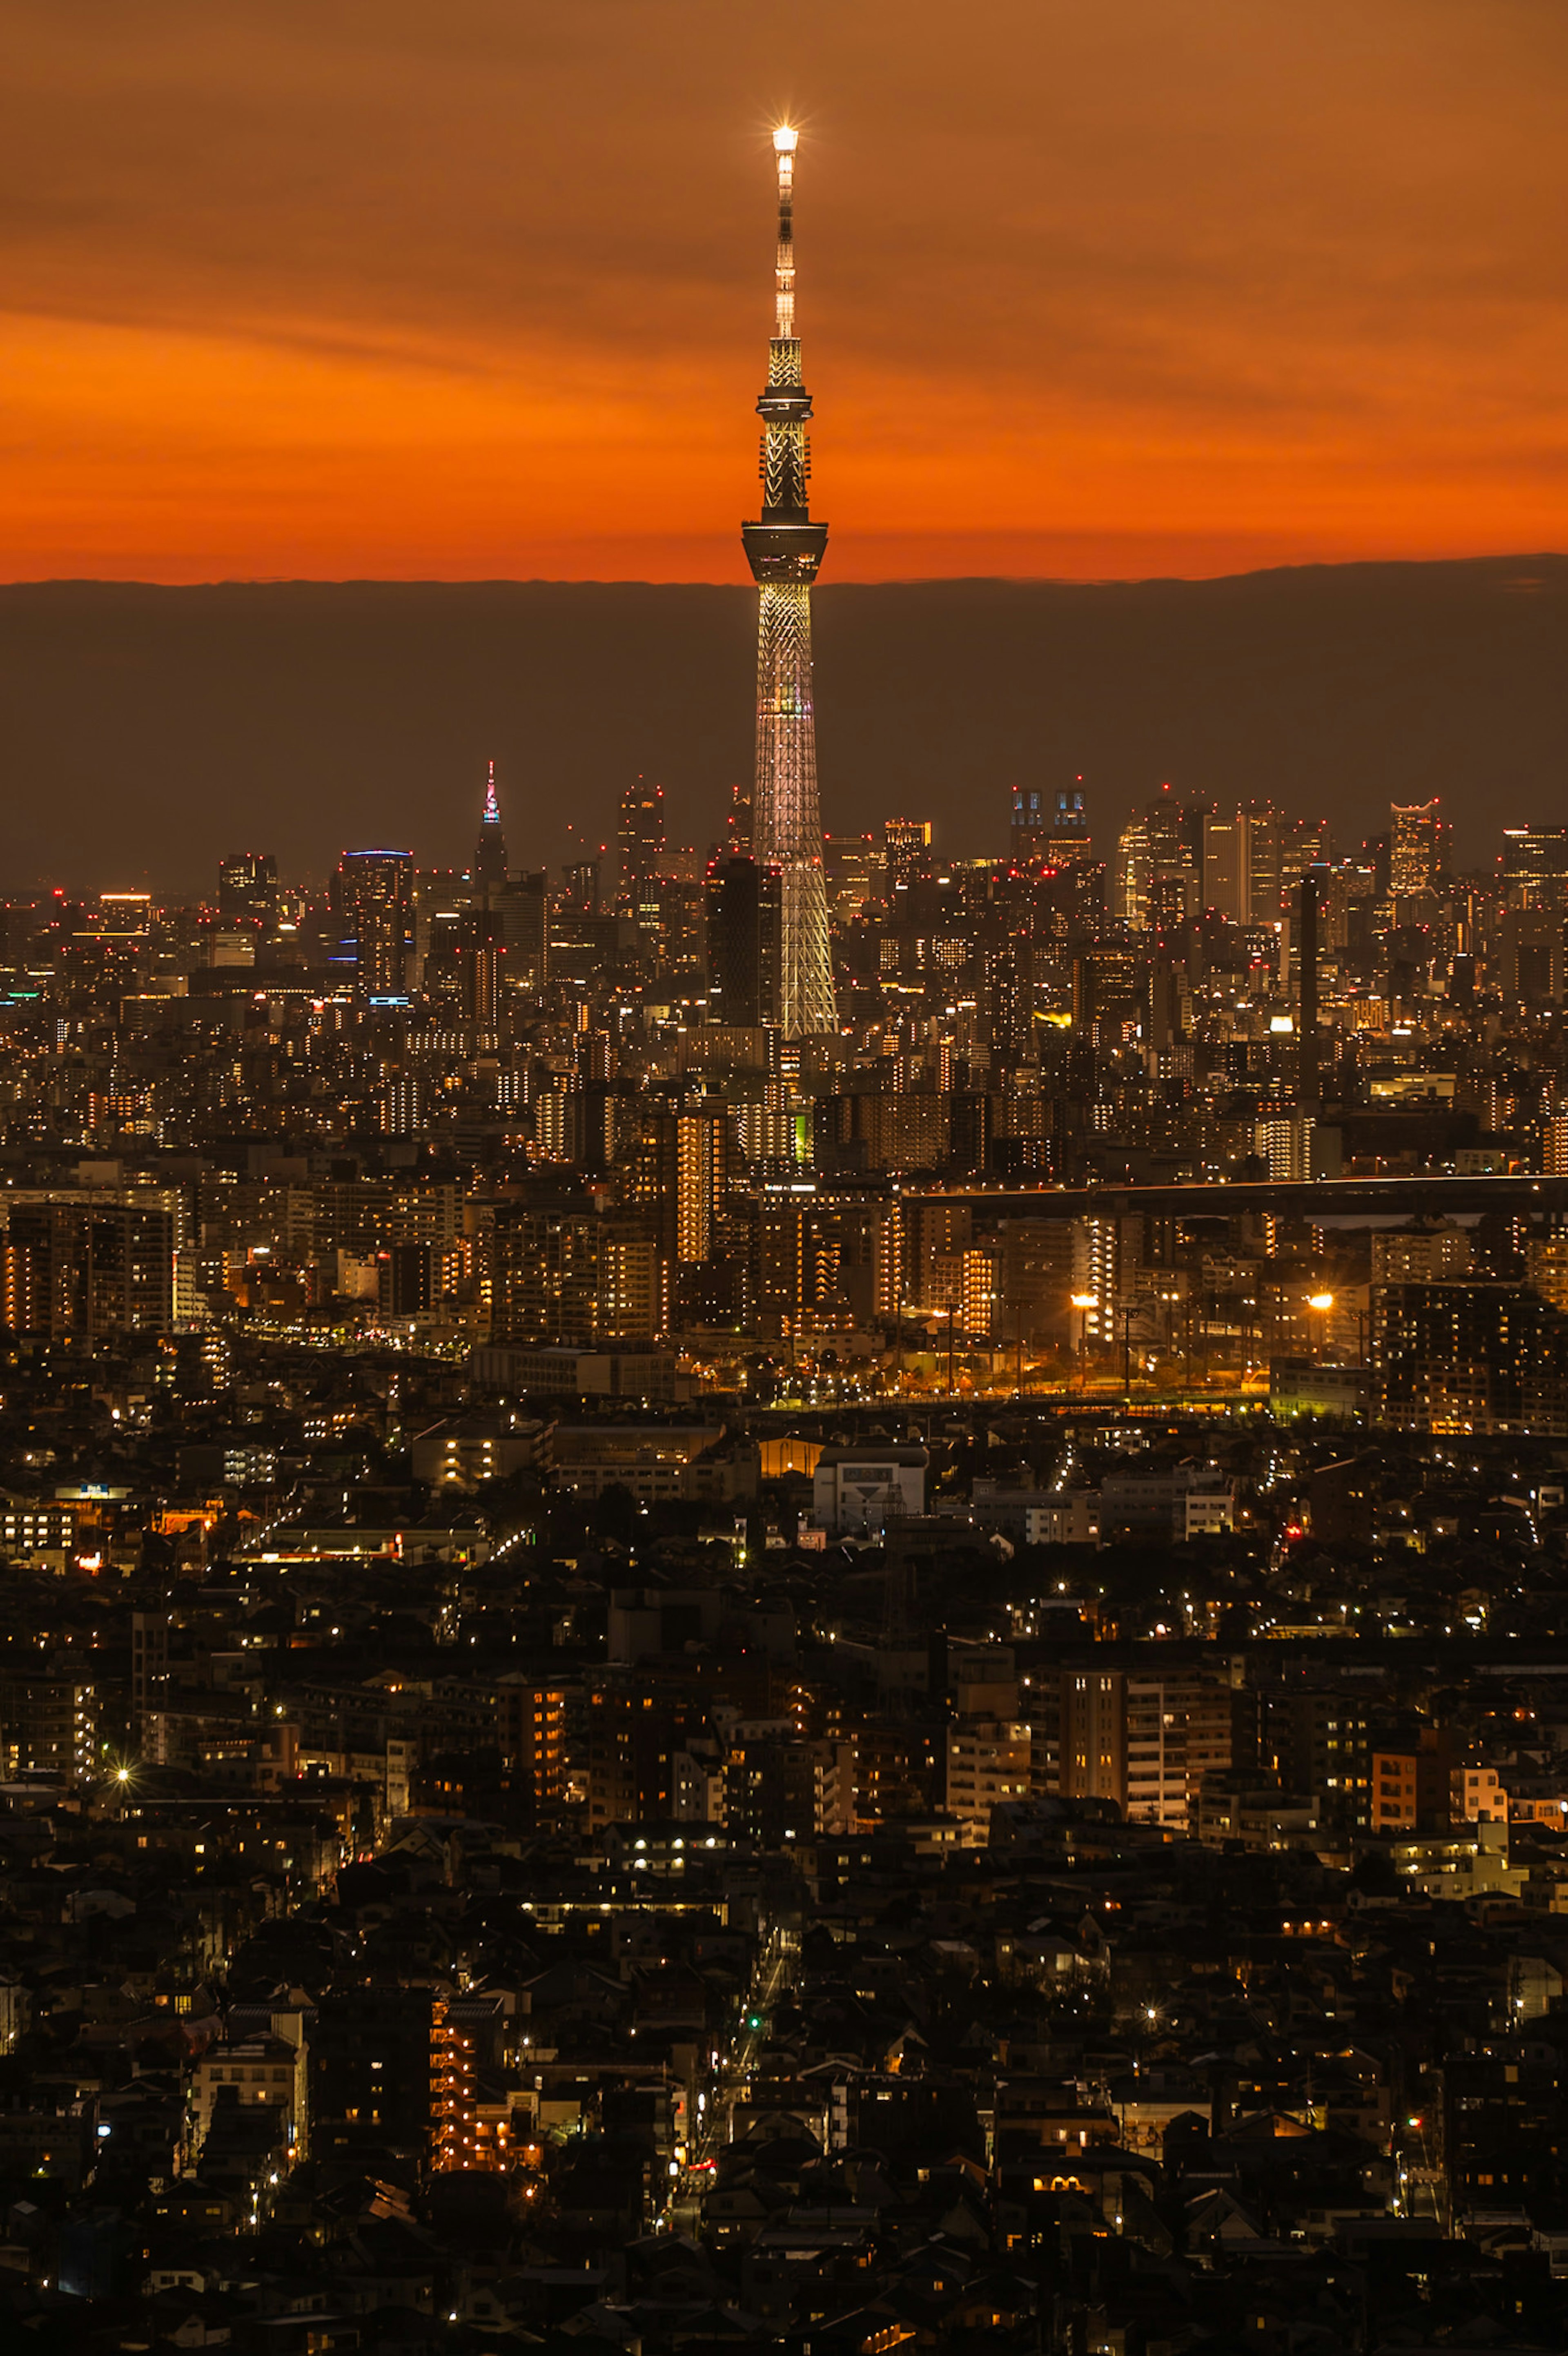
<point>784,548</point>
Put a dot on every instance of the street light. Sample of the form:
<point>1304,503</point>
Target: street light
<point>1323,1303</point>
<point>1083,1302</point>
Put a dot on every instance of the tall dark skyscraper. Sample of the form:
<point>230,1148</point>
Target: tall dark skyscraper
<point>784,548</point>
<point>742,898</point>
<point>489,858</point>
<point>372,898</point>
<point>248,889</point>
<point>641,839</point>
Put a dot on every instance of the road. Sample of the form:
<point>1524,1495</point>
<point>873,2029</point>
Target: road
<point>683,2214</point>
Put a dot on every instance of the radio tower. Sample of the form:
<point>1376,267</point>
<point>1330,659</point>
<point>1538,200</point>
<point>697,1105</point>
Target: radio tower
<point>784,549</point>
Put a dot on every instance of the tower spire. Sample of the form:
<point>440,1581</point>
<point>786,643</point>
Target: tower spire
<point>784,548</point>
<point>489,859</point>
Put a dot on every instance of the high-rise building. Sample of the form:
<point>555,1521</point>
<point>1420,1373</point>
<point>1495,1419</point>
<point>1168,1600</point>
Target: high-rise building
<point>641,846</point>
<point>743,917</point>
<point>1171,891</point>
<point>490,857</point>
<point>1463,1357</point>
<point>1227,880</point>
<point>853,871</point>
<point>1028,832</point>
<point>1047,825</point>
<point>1068,839</point>
<point>1133,873</point>
<point>1261,823</point>
<point>904,842</point>
<point>737,820</point>
<point>370,2069</point>
<point>784,548</point>
<point>1535,866</point>
<point>1415,848</point>
<point>248,889</point>
<point>82,1268</point>
<point>372,900</point>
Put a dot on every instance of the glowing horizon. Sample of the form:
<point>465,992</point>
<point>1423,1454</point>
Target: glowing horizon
<point>1191,298</point>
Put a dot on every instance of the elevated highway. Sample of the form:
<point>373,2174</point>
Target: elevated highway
<point>1319,1198</point>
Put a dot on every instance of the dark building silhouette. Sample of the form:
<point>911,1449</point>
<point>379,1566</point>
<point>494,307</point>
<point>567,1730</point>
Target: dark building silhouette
<point>744,915</point>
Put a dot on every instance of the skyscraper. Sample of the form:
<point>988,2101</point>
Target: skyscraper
<point>1226,885</point>
<point>784,548</point>
<point>1415,849</point>
<point>1069,836</point>
<point>1535,866</point>
<point>1051,826</point>
<point>743,899</point>
<point>904,842</point>
<point>248,889</point>
<point>372,898</point>
<point>489,858</point>
<point>641,839</point>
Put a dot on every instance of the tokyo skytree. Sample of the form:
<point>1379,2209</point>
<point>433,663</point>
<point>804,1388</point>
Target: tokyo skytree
<point>784,549</point>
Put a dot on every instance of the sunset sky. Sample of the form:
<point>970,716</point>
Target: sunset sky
<point>477,288</point>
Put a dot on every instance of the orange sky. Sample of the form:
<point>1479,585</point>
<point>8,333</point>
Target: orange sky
<point>455,288</point>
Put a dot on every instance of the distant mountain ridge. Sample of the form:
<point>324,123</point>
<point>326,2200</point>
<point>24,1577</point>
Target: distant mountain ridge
<point>144,729</point>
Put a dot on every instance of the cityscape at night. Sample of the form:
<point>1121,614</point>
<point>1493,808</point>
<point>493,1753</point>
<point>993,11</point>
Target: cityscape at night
<point>783,1568</point>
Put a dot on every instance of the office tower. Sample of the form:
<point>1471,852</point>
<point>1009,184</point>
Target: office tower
<point>581,881</point>
<point>481,947</point>
<point>1261,825</point>
<point>525,930</point>
<point>1415,849</point>
<point>904,842</point>
<point>679,891</point>
<point>1166,822</point>
<point>1306,1005</point>
<point>737,819</point>
<point>1303,843</point>
<point>373,899</point>
<point>1133,873</point>
<point>1171,893</point>
<point>1535,866</point>
<point>1052,826</point>
<point>1226,882</point>
<point>1531,960</point>
<point>853,874</point>
<point>248,889</point>
<point>743,914</point>
<point>1069,838</point>
<point>489,858</point>
<point>1028,828</point>
<point>785,549</point>
<point>641,845</point>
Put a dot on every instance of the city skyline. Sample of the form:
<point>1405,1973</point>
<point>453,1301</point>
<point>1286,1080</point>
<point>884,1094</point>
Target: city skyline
<point>784,1570</point>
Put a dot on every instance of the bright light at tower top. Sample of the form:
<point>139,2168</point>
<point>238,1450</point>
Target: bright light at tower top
<point>785,140</point>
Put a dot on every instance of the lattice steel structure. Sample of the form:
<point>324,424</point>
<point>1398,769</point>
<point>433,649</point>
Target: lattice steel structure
<point>784,548</point>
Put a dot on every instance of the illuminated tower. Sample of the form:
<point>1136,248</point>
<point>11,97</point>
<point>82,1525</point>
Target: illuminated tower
<point>784,549</point>
<point>489,859</point>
